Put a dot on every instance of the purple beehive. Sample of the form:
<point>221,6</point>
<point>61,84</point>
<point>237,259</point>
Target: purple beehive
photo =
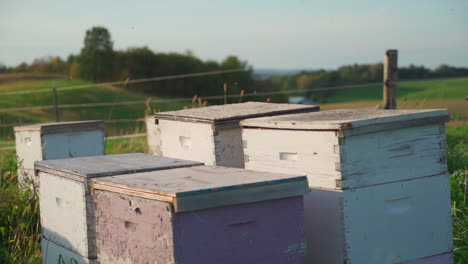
<point>200,215</point>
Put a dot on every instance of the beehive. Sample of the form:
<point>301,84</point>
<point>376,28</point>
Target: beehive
<point>153,135</point>
<point>378,180</point>
<point>212,134</point>
<point>66,206</point>
<point>55,141</point>
<point>200,215</point>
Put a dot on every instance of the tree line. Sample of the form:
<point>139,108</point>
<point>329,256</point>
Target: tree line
<point>356,74</point>
<point>98,62</point>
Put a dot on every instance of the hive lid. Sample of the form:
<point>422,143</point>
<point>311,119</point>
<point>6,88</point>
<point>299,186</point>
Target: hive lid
<point>352,121</point>
<point>63,127</point>
<point>233,113</point>
<point>100,166</point>
<point>190,189</point>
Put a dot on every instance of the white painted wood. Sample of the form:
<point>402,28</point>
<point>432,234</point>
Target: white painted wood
<point>28,150</point>
<point>187,140</point>
<point>312,154</point>
<point>348,160</point>
<point>397,222</point>
<point>394,155</point>
<point>153,135</point>
<point>64,215</point>
<point>212,134</point>
<point>66,204</point>
<point>387,223</point>
<point>196,188</point>
<point>56,141</point>
<point>55,254</point>
<point>333,162</point>
<point>352,121</point>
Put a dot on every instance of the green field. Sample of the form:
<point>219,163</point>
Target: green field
<point>453,88</point>
<point>430,94</point>
<point>128,115</point>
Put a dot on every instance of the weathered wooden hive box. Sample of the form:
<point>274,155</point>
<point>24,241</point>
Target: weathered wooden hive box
<point>153,135</point>
<point>379,184</point>
<point>55,141</point>
<point>200,215</point>
<point>212,134</point>
<point>67,207</point>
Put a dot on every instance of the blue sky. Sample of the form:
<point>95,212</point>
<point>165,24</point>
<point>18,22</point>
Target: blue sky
<point>294,34</point>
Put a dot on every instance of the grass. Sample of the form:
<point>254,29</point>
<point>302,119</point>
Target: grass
<point>451,88</point>
<point>107,94</point>
<point>430,94</point>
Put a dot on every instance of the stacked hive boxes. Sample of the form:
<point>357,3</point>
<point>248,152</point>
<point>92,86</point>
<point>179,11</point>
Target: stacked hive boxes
<point>200,215</point>
<point>55,141</point>
<point>379,185</point>
<point>212,134</point>
<point>67,207</point>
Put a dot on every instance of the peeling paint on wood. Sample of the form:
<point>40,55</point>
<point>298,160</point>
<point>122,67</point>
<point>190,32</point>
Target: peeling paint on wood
<point>247,233</point>
<point>196,188</point>
<point>66,204</point>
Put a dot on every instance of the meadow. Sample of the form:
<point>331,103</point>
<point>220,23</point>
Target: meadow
<point>19,220</point>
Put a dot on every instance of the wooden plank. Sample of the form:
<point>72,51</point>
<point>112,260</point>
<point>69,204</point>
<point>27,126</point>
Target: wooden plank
<point>230,112</point>
<point>391,156</point>
<point>396,222</point>
<point>310,153</point>
<point>100,166</point>
<point>390,79</point>
<point>351,121</point>
<point>205,184</point>
<point>191,141</point>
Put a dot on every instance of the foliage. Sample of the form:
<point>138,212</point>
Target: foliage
<point>96,57</point>
<point>457,159</point>
<point>19,218</point>
<point>360,74</point>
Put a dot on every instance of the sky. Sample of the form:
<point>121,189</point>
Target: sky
<point>293,34</point>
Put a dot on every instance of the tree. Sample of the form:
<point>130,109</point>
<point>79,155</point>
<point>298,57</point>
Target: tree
<point>3,68</point>
<point>96,57</point>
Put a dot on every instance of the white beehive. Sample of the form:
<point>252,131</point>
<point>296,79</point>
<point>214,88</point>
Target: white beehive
<point>380,190</point>
<point>66,206</point>
<point>200,214</point>
<point>212,134</point>
<point>55,141</point>
<point>153,135</point>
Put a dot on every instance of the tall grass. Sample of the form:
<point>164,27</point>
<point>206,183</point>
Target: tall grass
<point>19,218</point>
<point>457,161</point>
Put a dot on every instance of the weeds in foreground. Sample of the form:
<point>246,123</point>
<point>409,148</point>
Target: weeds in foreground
<point>19,219</point>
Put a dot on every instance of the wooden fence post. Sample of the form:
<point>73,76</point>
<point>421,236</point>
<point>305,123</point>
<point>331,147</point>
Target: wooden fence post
<point>225,93</point>
<point>54,90</point>
<point>390,79</point>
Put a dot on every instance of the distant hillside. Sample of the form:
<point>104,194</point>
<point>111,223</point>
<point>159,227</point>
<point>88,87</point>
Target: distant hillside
<point>125,114</point>
<point>265,72</point>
